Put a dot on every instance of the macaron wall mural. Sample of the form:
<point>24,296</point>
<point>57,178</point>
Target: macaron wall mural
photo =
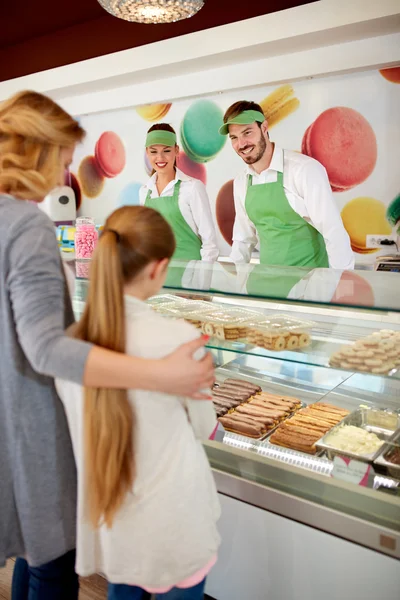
<point>350,123</point>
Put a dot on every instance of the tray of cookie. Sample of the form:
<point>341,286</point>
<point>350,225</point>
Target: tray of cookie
<point>378,353</point>
<point>245,409</point>
<point>227,324</point>
<point>361,434</point>
<point>305,428</point>
<point>280,332</point>
<point>388,460</point>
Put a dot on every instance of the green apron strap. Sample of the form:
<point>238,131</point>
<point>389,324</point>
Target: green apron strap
<point>188,244</point>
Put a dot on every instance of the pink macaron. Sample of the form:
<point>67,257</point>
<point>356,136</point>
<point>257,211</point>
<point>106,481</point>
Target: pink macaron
<point>344,142</point>
<point>190,168</point>
<point>110,154</point>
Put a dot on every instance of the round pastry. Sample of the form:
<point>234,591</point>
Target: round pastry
<point>219,332</point>
<point>208,328</point>
<point>346,365</point>
<point>279,343</point>
<point>361,216</point>
<point>153,112</point>
<point>365,354</point>
<point>201,140</point>
<point>72,181</point>
<point>348,352</point>
<point>391,74</point>
<point>371,342</point>
<point>292,343</point>
<point>355,361</point>
<point>191,168</point>
<point>373,362</point>
<point>304,340</point>
<point>345,143</point>
<point>90,178</point>
<point>387,345</point>
<point>110,154</point>
<point>225,211</point>
<point>380,370</point>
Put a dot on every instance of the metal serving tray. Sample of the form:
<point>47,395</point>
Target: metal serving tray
<point>383,423</point>
<point>385,465</point>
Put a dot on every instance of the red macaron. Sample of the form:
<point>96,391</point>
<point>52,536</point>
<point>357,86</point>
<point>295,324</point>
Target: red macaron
<point>110,154</point>
<point>225,211</point>
<point>343,141</point>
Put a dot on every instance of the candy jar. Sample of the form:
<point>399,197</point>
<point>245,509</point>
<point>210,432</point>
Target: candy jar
<point>86,237</point>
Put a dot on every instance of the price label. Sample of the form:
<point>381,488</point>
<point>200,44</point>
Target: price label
<point>353,471</point>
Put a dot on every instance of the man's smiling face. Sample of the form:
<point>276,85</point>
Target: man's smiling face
<point>248,141</point>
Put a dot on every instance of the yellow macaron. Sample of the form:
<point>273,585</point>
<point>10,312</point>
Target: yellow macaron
<point>365,216</point>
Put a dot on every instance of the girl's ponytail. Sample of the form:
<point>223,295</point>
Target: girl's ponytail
<point>108,416</point>
<point>133,237</point>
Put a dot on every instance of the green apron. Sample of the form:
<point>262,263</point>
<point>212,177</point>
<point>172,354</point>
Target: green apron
<point>188,244</point>
<point>285,238</point>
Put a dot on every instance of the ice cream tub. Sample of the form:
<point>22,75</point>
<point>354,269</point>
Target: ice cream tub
<point>362,435</point>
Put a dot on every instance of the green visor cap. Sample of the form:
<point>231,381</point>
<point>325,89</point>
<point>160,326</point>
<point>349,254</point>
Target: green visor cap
<point>164,138</point>
<point>245,118</point>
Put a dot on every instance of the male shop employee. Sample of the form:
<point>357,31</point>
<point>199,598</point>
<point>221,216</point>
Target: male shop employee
<point>283,200</point>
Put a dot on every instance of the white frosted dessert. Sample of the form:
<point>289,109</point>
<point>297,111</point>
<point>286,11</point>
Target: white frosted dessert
<point>355,440</point>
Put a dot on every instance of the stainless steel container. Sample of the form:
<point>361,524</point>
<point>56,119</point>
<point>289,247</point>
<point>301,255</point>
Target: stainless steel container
<point>383,423</point>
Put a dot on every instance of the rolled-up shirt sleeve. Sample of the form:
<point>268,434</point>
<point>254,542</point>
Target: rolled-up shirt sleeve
<point>38,295</point>
<point>313,185</point>
<point>244,232</point>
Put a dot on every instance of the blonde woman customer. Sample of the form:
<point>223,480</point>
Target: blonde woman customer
<point>147,503</point>
<point>37,470</point>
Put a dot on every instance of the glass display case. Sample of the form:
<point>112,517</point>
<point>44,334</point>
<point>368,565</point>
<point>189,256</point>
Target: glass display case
<point>321,349</point>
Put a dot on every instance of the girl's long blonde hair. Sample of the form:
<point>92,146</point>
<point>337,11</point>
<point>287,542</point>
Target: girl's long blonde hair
<point>33,131</point>
<point>133,237</point>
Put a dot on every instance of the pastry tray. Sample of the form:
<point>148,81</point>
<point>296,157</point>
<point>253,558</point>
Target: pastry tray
<point>267,433</point>
<point>383,423</point>
<point>384,465</point>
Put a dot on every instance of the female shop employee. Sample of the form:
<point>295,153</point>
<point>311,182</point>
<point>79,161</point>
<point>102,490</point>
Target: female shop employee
<point>283,200</point>
<point>182,200</point>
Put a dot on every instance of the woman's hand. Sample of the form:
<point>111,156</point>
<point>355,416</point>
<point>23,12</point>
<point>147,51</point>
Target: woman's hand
<point>183,375</point>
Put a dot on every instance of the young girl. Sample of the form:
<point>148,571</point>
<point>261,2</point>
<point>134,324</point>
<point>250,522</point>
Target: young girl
<point>147,504</point>
<point>182,200</point>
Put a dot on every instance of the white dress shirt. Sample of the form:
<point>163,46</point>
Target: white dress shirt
<point>194,206</point>
<point>308,192</point>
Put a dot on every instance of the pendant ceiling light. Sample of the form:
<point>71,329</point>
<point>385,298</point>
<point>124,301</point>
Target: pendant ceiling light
<point>152,11</point>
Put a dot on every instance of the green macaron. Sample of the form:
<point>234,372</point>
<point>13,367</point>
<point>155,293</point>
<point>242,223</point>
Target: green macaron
<point>200,138</point>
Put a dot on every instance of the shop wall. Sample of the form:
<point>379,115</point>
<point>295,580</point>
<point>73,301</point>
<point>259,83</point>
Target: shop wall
<point>361,127</point>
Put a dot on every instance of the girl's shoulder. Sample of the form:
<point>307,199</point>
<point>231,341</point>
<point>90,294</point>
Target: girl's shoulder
<point>155,336</point>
